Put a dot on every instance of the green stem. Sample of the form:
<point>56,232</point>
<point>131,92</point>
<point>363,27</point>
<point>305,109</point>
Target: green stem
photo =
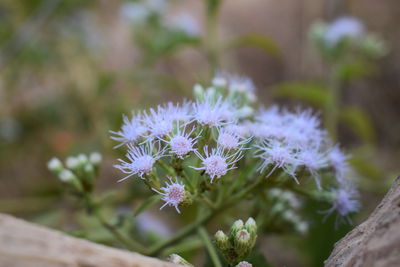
<point>128,243</point>
<point>211,41</point>
<point>155,249</point>
<point>205,217</point>
<point>210,247</point>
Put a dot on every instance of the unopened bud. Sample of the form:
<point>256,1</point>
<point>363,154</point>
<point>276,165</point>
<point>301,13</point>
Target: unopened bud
<point>55,165</point>
<point>66,176</point>
<point>175,258</point>
<point>245,112</point>
<point>82,158</point>
<point>72,162</point>
<point>198,92</point>
<point>222,240</point>
<point>251,226</point>
<point>242,243</point>
<point>219,81</point>
<point>95,158</point>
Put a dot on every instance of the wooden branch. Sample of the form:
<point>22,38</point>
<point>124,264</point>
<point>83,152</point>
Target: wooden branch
<point>375,242</point>
<point>23,244</point>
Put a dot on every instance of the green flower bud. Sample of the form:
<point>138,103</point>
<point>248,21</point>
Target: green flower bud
<point>219,82</point>
<point>95,158</point>
<point>198,92</point>
<point>251,226</point>
<point>55,165</point>
<point>175,258</point>
<point>82,159</point>
<point>242,243</point>
<point>237,226</point>
<point>69,177</point>
<point>245,112</point>
<point>72,162</point>
<point>222,240</point>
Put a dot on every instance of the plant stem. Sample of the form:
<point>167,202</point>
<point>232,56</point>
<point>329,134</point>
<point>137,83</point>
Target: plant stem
<point>205,217</point>
<point>211,42</point>
<point>129,243</point>
<point>210,247</point>
<point>155,249</point>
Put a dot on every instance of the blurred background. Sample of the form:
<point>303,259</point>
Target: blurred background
<point>69,69</point>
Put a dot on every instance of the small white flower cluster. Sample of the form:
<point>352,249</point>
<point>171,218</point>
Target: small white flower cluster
<point>79,171</point>
<point>140,12</point>
<point>215,129</point>
<point>285,210</point>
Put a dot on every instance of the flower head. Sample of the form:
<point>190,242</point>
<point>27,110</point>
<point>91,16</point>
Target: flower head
<point>277,154</point>
<point>181,143</point>
<point>344,27</point>
<point>213,111</point>
<point>131,131</point>
<point>141,160</point>
<point>338,161</point>
<point>218,162</point>
<point>173,194</point>
<point>229,139</point>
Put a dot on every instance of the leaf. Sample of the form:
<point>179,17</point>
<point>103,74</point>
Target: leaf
<point>258,41</point>
<point>359,122</point>
<point>312,93</point>
<point>354,70</point>
<point>147,204</point>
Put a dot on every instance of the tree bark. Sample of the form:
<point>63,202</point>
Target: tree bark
<point>375,242</point>
<point>23,244</point>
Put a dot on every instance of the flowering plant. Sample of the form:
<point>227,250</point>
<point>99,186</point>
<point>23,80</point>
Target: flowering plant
<point>222,150</point>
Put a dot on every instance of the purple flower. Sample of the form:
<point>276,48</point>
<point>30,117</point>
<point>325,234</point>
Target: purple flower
<point>141,160</point>
<point>131,131</point>
<point>173,194</point>
<point>218,162</point>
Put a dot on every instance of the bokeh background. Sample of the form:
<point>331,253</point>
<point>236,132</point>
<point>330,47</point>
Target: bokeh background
<point>69,69</point>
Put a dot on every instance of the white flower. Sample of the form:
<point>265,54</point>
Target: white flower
<point>218,162</point>
<point>72,162</point>
<point>344,27</point>
<point>173,194</point>
<point>313,161</point>
<point>181,143</point>
<point>159,123</point>
<point>187,23</point>
<point>213,112</point>
<point>338,161</point>
<point>345,201</point>
<point>179,113</point>
<point>228,139</point>
<point>95,158</point>
<point>66,175</point>
<point>134,12</point>
<point>242,84</point>
<point>131,131</point>
<point>277,154</point>
<point>141,160</point>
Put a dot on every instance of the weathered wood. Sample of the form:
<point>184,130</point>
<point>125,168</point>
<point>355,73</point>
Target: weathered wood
<point>23,244</point>
<point>375,242</point>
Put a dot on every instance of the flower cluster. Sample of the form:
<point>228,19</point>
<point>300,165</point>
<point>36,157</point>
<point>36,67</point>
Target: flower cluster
<point>206,140</point>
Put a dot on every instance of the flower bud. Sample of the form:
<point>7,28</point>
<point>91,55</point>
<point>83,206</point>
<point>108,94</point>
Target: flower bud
<point>95,158</point>
<point>237,226</point>
<point>222,240</point>
<point>198,92</point>
<point>82,159</point>
<point>245,112</point>
<point>244,264</point>
<point>55,165</point>
<point>219,81</point>
<point>242,242</point>
<point>175,258</point>
<point>69,177</point>
<point>251,226</point>
<point>72,162</point>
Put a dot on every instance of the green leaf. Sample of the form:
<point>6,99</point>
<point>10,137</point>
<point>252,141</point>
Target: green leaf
<point>354,70</point>
<point>312,93</point>
<point>147,204</point>
<point>359,122</point>
<point>258,41</point>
